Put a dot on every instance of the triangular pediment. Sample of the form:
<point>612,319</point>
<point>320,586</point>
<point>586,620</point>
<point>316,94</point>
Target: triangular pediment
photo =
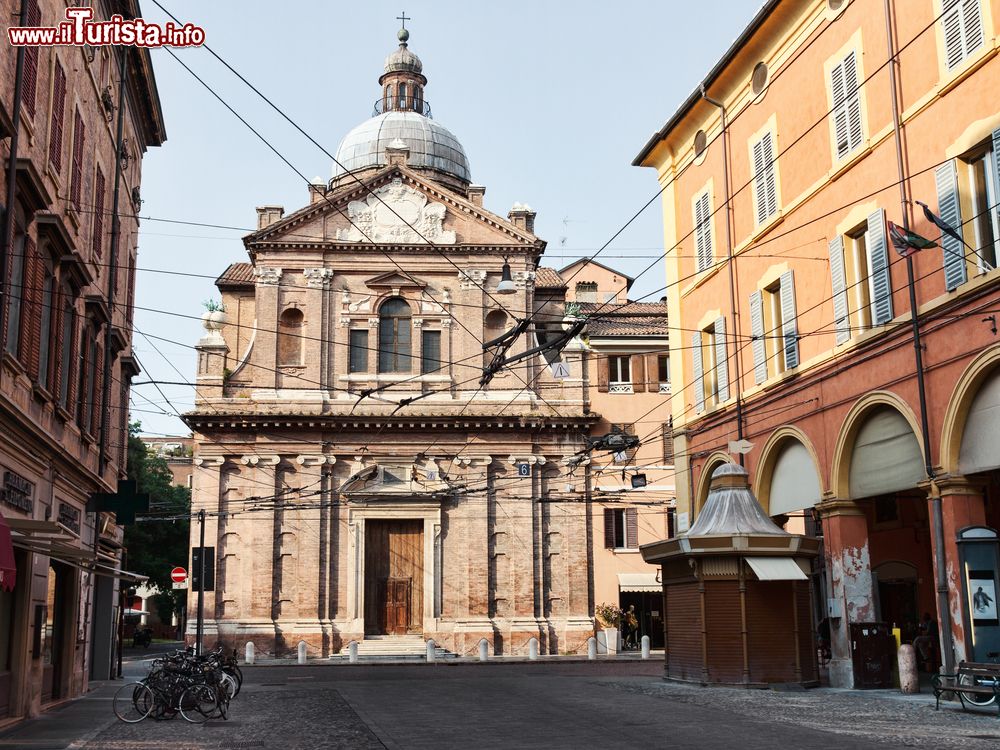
<point>396,280</point>
<point>395,206</point>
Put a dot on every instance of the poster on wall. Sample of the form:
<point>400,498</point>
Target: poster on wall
<point>983,597</point>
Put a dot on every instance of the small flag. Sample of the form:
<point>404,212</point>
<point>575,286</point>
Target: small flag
<point>907,242</point>
<point>940,223</point>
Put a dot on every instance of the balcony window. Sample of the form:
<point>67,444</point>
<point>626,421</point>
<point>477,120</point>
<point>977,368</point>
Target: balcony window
<point>619,374</point>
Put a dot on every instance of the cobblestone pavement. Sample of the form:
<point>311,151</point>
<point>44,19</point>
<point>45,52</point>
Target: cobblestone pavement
<point>515,705</point>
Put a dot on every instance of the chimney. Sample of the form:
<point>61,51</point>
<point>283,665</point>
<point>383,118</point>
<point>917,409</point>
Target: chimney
<point>267,215</point>
<point>397,153</point>
<point>317,189</point>
<point>522,217</point>
<point>476,193</point>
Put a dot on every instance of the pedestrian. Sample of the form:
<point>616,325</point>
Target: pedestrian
<point>632,627</point>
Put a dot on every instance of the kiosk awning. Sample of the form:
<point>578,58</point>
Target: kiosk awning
<point>638,582</point>
<point>776,568</point>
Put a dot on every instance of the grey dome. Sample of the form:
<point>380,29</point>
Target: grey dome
<point>431,145</point>
<point>403,59</point>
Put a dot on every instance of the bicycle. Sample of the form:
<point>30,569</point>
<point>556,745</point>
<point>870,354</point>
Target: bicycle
<point>982,699</point>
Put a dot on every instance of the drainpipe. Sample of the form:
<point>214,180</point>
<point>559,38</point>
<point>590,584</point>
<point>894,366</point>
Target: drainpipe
<point>941,576</point>
<point>730,263</point>
<point>112,265</point>
<point>6,230</point>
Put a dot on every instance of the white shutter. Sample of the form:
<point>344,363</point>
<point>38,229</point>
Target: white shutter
<point>760,181</point>
<point>962,22</point>
<point>848,131</point>
<point>840,126</point>
<point>789,324</point>
<point>721,363</point>
<point>878,257</point>
<point>703,232</point>
<point>855,130</point>
<point>699,376</point>
<point>838,283</point>
<point>757,334</point>
<point>955,272</point>
<point>996,173</point>
<point>770,175</point>
<point>972,25</point>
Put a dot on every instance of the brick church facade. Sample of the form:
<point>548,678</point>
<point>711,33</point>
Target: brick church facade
<point>357,479</point>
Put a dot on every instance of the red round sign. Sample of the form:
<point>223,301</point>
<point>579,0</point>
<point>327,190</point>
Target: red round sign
<point>178,575</point>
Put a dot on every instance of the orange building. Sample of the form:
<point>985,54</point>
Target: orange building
<point>823,125</point>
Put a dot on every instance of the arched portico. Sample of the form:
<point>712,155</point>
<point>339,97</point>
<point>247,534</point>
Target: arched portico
<point>788,460</point>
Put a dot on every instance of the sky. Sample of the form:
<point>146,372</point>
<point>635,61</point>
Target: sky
<point>551,101</point>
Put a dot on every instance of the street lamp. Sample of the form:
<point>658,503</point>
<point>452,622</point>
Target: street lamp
<point>506,285</point>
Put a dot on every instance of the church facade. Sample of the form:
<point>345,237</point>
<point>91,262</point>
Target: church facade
<point>359,482</point>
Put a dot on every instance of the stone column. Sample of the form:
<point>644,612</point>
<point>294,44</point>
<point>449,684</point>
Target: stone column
<point>962,505</point>
<point>849,573</point>
<point>303,514</point>
<point>319,328</point>
<point>265,349</point>
<point>205,495</point>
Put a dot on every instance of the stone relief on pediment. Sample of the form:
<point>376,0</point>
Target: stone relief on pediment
<point>396,213</point>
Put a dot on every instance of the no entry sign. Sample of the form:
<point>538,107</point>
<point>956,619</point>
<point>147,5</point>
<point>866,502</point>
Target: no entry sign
<point>178,575</point>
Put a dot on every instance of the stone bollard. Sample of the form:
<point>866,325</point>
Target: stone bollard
<point>908,682</point>
<point>302,652</point>
<point>249,654</point>
<point>430,649</point>
<point>352,651</point>
<point>591,648</point>
<point>645,647</point>
<point>532,648</point>
<point>484,649</point>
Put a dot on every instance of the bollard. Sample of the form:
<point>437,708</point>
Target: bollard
<point>532,648</point>
<point>591,648</point>
<point>302,652</point>
<point>249,655</point>
<point>645,647</point>
<point>430,649</point>
<point>484,649</point>
<point>352,651</point>
<point>908,682</point>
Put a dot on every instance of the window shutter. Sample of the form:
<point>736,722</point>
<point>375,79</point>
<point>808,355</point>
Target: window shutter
<point>996,169</point>
<point>972,27</point>
<point>703,232</point>
<point>699,377</point>
<point>71,374</point>
<point>955,272</point>
<point>853,105</point>
<point>838,283</point>
<point>770,170</point>
<point>609,528</point>
<point>58,106</point>
<point>631,528</point>
<point>962,22</point>
<point>652,372</point>
<point>30,79</point>
<point>76,175</point>
<point>668,443</point>
<point>31,308</point>
<point>602,373</point>
<point>55,359</point>
<point>879,258</point>
<point>789,324</point>
<point>760,181</point>
<point>840,124</point>
<point>98,234</point>
<point>98,387</point>
<point>722,365</point>
<point>638,368</point>
<point>757,338</point>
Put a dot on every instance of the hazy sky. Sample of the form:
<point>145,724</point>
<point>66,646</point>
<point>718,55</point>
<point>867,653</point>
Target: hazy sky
<point>551,100</point>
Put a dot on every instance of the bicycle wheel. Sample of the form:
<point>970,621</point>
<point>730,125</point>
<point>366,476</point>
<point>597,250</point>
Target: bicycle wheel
<point>977,699</point>
<point>234,671</point>
<point>228,684</point>
<point>198,703</point>
<point>133,702</point>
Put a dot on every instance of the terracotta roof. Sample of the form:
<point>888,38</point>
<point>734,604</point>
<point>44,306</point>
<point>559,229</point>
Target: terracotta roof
<point>548,278</point>
<point>237,276</point>
<point>631,319</point>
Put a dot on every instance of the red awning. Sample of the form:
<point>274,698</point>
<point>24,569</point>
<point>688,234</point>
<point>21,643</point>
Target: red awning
<point>8,570</point>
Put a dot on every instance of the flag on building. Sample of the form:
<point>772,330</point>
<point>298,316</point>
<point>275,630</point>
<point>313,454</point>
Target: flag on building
<point>907,242</point>
<point>940,223</point>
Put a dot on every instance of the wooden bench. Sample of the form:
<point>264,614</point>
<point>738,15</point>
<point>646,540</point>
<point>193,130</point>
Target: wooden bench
<point>964,683</point>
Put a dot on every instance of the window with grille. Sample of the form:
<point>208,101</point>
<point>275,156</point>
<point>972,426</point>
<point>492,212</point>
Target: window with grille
<point>430,351</point>
<point>848,132</point>
<point>765,179</point>
<point>358,360</point>
<point>703,232</point>
<point>962,24</point>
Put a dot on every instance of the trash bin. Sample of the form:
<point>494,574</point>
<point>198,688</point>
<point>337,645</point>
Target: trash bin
<point>872,649</point>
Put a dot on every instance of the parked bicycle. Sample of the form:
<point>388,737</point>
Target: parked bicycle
<point>196,687</point>
<point>982,699</point>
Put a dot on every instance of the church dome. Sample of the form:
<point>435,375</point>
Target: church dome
<point>402,59</point>
<point>432,146</point>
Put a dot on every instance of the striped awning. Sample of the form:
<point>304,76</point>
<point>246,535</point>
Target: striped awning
<point>638,582</point>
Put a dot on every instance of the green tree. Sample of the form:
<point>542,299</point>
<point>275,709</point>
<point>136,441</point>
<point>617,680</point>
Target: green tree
<point>156,546</point>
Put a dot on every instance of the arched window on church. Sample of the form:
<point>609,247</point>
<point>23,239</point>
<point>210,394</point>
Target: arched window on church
<point>402,96</point>
<point>290,340</point>
<point>394,346</point>
<point>494,325</point>
<point>387,105</point>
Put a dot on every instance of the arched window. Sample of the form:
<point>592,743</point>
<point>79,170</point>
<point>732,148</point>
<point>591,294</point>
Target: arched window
<point>394,336</point>
<point>290,341</point>
<point>402,96</point>
<point>388,98</point>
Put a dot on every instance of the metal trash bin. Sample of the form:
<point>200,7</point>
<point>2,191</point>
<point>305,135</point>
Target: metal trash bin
<point>872,649</point>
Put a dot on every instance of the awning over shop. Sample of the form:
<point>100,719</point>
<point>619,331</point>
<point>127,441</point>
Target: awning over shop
<point>53,540</point>
<point>639,582</point>
<point>8,569</point>
<point>980,449</point>
<point>886,456</point>
<point>776,568</point>
<point>794,483</point>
